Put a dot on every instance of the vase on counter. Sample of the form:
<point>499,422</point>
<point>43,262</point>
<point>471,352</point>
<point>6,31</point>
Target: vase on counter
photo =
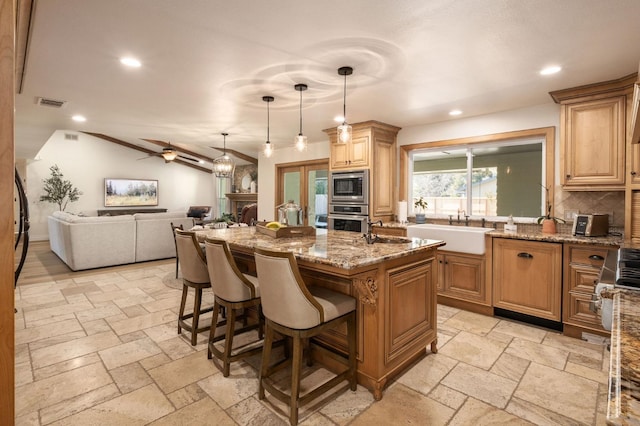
<point>252,187</point>
<point>549,226</point>
<point>420,218</point>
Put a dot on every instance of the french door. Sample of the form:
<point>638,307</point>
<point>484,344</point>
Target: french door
<point>306,183</point>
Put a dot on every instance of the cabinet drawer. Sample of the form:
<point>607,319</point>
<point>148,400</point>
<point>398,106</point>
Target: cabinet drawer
<point>593,256</point>
<point>577,312</point>
<point>583,279</point>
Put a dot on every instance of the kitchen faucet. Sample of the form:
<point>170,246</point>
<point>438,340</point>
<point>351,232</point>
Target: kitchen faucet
<point>369,237</point>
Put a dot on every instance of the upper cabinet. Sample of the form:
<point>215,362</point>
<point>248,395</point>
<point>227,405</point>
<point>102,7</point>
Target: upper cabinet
<point>593,131</point>
<point>373,147</point>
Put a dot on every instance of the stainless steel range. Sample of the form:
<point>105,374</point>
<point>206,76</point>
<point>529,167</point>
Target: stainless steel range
<point>621,269</point>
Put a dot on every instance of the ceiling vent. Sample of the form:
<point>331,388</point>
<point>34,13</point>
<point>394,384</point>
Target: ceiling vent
<point>53,103</point>
<point>70,137</point>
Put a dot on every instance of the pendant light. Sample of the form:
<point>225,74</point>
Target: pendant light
<point>268,146</point>
<point>224,166</point>
<point>301,140</point>
<point>344,130</point>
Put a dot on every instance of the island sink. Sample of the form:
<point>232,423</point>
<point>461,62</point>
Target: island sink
<point>462,239</point>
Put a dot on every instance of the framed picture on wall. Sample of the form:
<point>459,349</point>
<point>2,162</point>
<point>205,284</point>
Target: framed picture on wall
<point>130,192</point>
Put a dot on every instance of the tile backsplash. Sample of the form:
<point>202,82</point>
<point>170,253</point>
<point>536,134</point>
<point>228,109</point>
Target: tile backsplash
<point>610,202</point>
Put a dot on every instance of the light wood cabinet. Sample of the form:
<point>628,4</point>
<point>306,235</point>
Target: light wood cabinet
<point>582,264</point>
<point>462,276</point>
<point>527,277</point>
<point>351,155</point>
<point>593,135</point>
<point>373,147</point>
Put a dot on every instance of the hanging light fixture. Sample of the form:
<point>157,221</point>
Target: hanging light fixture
<point>301,140</point>
<point>268,146</point>
<point>344,130</point>
<point>224,166</point>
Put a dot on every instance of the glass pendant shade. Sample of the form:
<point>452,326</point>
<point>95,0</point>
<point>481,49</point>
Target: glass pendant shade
<point>224,166</point>
<point>344,130</point>
<point>268,146</point>
<point>300,141</point>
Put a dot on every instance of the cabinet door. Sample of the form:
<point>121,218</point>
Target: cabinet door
<point>527,277</point>
<point>464,278</point>
<point>382,178</point>
<point>351,155</point>
<point>592,150</point>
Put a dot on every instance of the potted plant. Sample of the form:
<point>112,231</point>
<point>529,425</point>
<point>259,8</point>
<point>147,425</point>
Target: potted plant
<point>548,222</point>
<point>59,191</point>
<point>420,205</point>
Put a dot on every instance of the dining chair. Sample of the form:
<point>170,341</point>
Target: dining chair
<point>293,309</point>
<point>194,275</point>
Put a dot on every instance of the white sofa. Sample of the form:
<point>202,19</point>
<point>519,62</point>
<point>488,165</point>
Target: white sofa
<point>98,241</point>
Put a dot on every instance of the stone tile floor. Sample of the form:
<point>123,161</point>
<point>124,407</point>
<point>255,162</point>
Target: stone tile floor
<point>103,349</point>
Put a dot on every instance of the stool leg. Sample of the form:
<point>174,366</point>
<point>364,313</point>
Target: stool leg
<point>176,266</point>
<point>266,357</point>
<point>295,379</point>
<point>212,330</point>
<point>183,302</point>
<point>196,316</point>
<point>228,341</point>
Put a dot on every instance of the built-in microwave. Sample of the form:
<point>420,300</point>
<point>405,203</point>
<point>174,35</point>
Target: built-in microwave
<point>351,187</point>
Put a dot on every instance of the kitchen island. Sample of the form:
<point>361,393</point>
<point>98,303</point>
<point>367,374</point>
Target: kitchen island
<point>393,282</point>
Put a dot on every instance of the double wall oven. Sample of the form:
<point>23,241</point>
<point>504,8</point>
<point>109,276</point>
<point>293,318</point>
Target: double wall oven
<point>349,200</point>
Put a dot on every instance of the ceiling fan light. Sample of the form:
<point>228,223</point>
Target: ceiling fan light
<point>169,155</point>
<point>345,132</point>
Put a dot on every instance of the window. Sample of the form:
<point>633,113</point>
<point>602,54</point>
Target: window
<point>490,176</point>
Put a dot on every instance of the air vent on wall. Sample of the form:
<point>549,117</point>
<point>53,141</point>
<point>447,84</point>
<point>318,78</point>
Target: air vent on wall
<point>54,103</point>
<point>70,137</point>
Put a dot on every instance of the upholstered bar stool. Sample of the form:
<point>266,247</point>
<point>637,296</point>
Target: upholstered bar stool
<point>233,291</point>
<point>194,275</point>
<point>294,310</point>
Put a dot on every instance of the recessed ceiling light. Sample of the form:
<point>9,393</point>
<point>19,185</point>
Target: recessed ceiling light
<point>455,112</point>
<point>130,62</point>
<point>201,161</point>
<point>550,70</point>
<point>79,118</point>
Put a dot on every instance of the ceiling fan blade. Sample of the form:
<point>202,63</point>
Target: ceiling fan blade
<point>149,156</point>
<point>188,158</point>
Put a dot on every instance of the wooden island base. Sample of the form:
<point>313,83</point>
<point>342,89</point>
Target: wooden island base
<point>396,312</point>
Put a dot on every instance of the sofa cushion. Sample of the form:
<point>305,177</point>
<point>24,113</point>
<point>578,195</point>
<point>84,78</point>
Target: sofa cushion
<point>72,218</point>
<point>155,216</point>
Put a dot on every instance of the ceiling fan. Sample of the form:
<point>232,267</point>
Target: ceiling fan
<point>169,154</point>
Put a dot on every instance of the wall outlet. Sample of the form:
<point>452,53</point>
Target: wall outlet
<point>570,214</point>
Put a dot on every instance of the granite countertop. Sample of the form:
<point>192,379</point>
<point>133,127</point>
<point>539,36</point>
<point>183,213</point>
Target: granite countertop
<point>624,373</point>
<point>342,249</point>
<point>537,235</point>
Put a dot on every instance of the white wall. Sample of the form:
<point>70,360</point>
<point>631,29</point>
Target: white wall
<point>267,169</point>
<point>89,160</point>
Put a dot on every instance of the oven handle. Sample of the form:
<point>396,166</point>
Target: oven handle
<point>348,217</point>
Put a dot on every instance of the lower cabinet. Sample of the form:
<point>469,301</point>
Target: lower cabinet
<point>582,264</point>
<point>527,277</point>
<point>462,276</point>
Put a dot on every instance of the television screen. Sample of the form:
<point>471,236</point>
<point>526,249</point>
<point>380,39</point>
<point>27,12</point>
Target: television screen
<point>130,192</point>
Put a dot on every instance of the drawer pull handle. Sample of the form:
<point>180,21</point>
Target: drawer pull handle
<point>525,255</point>
<point>596,257</point>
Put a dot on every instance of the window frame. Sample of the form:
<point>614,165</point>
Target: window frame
<point>546,133</point>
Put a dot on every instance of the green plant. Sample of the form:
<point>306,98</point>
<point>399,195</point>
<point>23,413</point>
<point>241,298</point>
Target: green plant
<point>59,191</point>
<point>226,217</point>
<point>420,204</point>
<point>548,216</point>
